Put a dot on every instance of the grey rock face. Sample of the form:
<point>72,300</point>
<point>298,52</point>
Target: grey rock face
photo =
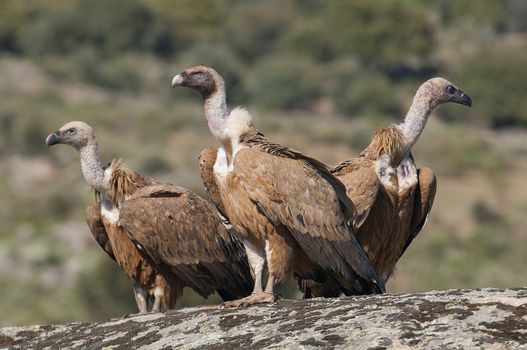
<point>453,319</point>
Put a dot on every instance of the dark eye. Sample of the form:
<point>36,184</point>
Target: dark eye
<point>71,131</point>
<point>450,89</point>
<point>382,172</point>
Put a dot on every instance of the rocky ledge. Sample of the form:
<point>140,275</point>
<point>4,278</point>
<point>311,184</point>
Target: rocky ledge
<point>452,319</point>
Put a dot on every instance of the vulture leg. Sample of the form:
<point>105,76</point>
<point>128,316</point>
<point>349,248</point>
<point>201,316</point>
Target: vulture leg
<point>158,293</point>
<point>269,291</point>
<point>256,257</point>
<point>262,297</point>
<point>278,255</point>
<point>141,297</point>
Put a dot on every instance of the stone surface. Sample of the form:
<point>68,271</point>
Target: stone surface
<point>453,319</point>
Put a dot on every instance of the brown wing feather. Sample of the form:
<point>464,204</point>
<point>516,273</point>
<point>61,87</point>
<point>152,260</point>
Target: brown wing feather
<point>93,218</point>
<point>258,142</point>
<point>207,158</point>
<point>139,268</point>
<point>424,199</point>
<point>361,181</point>
<point>180,229</point>
<point>306,202</point>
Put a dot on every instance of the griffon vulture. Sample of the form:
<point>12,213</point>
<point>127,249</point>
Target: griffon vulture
<point>387,188</point>
<point>289,210</point>
<point>165,237</point>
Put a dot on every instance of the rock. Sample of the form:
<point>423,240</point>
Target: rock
<point>453,319</point>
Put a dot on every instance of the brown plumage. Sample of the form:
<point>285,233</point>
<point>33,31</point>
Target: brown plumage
<point>146,280</point>
<point>181,231</point>
<point>163,236</point>
<point>423,201</point>
<point>386,141</point>
<point>287,207</point>
<point>206,160</point>
<point>390,193</point>
<point>94,220</point>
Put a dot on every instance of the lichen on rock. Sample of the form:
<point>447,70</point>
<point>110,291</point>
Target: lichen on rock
<point>453,319</point>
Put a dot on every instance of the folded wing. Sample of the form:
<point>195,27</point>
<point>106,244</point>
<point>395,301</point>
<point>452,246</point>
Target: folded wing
<point>311,203</point>
<point>176,227</point>
<point>93,218</point>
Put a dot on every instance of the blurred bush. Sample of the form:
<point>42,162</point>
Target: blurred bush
<point>516,14</point>
<point>284,81</point>
<point>496,82</point>
<point>292,52</point>
<point>483,213</point>
<point>383,32</point>
<point>109,26</point>
<point>368,94</point>
<point>487,14</point>
<point>309,37</point>
<point>254,27</point>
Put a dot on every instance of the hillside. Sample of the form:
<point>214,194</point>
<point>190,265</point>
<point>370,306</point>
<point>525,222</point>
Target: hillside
<point>110,63</point>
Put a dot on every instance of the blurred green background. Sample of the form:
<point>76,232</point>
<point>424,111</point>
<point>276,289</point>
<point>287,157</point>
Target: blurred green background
<point>317,75</point>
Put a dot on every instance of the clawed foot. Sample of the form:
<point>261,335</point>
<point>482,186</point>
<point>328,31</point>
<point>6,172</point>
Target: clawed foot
<point>253,299</point>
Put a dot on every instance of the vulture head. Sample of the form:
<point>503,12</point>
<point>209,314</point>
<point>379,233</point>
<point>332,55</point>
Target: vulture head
<point>207,158</point>
<point>202,79</point>
<point>76,134</point>
<point>439,91</point>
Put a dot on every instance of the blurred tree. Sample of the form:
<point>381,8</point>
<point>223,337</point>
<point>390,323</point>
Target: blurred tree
<point>485,214</point>
<point>13,16</point>
<point>516,15</point>
<point>110,26</point>
<point>252,28</point>
<point>496,82</point>
<point>284,81</point>
<point>309,37</point>
<point>481,14</point>
<point>385,31</point>
<point>192,21</point>
<point>7,125</point>
<point>359,92</point>
<point>369,94</point>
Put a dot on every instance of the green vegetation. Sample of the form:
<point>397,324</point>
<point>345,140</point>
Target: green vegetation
<point>492,76</point>
<point>318,75</point>
<point>298,46</point>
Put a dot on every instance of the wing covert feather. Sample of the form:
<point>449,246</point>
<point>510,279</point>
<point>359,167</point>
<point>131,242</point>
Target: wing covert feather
<point>308,205</point>
<point>175,225</point>
<point>207,158</point>
<point>361,181</point>
<point>424,199</point>
<point>93,218</point>
<point>181,230</point>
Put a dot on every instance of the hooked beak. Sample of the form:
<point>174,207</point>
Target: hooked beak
<point>464,99</point>
<point>53,139</point>
<point>178,80</point>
